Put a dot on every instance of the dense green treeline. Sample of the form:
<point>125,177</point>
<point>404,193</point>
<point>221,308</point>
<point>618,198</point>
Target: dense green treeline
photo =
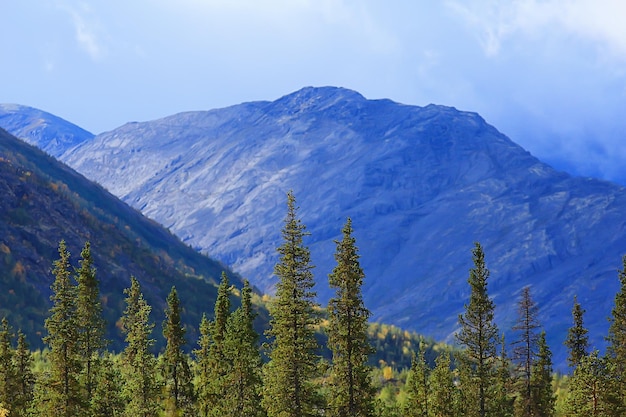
<point>230,371</point>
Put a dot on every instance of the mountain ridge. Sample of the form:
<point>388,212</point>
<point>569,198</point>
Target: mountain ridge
<point>421,184</point>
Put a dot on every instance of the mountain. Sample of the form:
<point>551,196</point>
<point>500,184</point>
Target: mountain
<point>43,202</point>
<point>41,129</point>
<point>421,184</point>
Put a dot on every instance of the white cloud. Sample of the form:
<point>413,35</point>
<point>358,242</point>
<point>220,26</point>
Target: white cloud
<point>86,29</point>
<point>265,23</point>
<point>600,21</point>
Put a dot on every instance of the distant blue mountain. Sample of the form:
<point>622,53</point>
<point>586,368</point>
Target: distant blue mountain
<point>421,184</point>
<point>43,130</point>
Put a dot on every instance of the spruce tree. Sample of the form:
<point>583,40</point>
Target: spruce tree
<point>543,398</point>
<point>106,399</point>
<point>141,387</point>
<point>479,333</point>
<point>352,391</point>
<point>616,349</point>
<point>218,365</point>
<point>577,341</point>
<point>62,395</point>
<point>417,390</point>
<point>593,389</point>
<point>8,372</point>
<point>221,314</point>
<point>91,325</point>
<point>203,369</point>
<point>466,401</point>
<point>289,388</point>
<point>243,383</point>
<point>503,400</point>
<point>176,373</point>
<point>525,349</point>
<point>23,363</point>
<point>441,382</point>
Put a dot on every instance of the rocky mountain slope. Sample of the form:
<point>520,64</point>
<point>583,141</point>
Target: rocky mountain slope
<point>421,184</point>
<point>43,202</point>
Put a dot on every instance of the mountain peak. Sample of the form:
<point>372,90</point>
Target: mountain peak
<point>319,98</point>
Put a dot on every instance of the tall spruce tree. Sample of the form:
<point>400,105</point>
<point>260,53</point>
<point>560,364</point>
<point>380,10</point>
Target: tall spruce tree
<point>479,333</point>
<point>543,398</point>
<point>289,387</point>
<point>90,323</point>
<point>62,395</point>
<point>525,349</point>
<point>218,364</point>
<point>417,388</point>
<point>243,383</point>
<point>616,349</point>
<point>577,341</point>
<point>176,372</point>
<point>141,386</point>
<point>352,391</point>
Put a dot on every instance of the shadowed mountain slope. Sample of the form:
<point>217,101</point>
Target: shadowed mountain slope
<point>44,202</point>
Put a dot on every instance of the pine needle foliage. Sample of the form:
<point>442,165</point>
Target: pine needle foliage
<point>442,389</point>
<point>243,383</point>
<point>24,390</point>
<point>353,393</point>
<point>289,387</point>
<point>175,362</point>
<point>577,341</point>
<point>107,397</point>
<point>417,387</point>
<point>63,394</point>
<point>91,325</point>
<point>218,366</point>
<point>479,333</point>
<point>616,349</point>
<point>203,369</point>
<point>8,372</point>
<point>542,394</point>
<point>593,389</point>
<point>503,401</point>
<point>142,388</point>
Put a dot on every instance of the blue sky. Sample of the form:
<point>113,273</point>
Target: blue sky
<point>550,74</point>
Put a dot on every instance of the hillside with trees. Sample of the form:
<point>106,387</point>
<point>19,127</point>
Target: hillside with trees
<point>45,202</point>
<point>231,373</point>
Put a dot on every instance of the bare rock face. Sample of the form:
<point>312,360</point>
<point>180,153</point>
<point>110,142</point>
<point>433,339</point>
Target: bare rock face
<point>421,184</point>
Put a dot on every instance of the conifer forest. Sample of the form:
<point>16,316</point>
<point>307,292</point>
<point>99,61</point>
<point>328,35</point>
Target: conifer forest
<point>234,370</point>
